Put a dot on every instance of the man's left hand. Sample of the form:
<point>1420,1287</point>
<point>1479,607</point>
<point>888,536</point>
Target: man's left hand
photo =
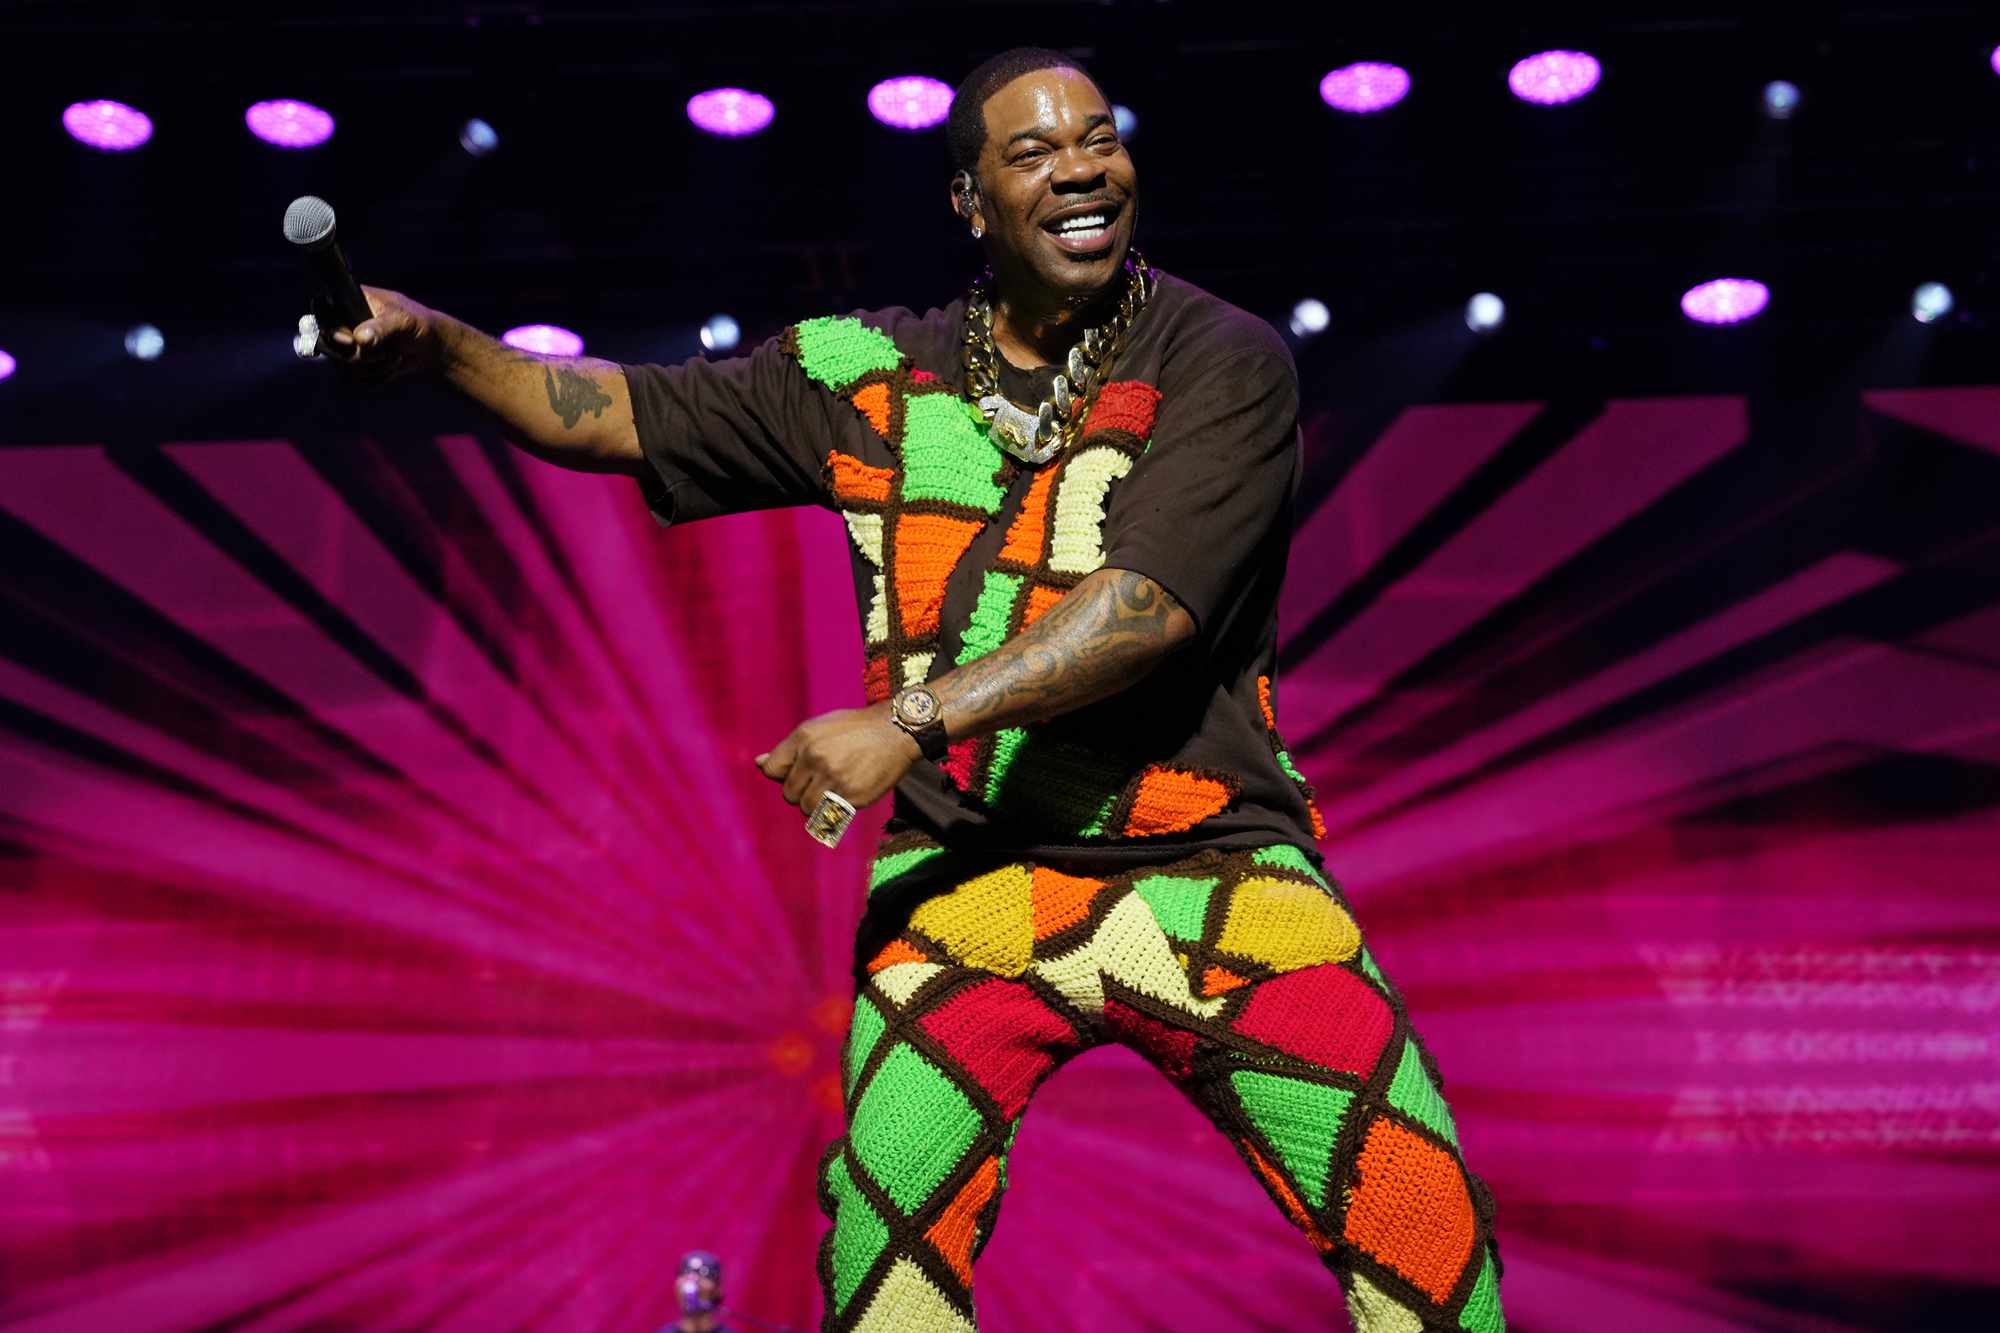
<point>858,752</point>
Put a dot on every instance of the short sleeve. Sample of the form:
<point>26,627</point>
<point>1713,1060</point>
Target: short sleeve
<point>724,437</point>
<point>1208,506</point>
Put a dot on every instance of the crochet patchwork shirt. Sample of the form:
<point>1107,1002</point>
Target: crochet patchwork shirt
<point>1184,472</point>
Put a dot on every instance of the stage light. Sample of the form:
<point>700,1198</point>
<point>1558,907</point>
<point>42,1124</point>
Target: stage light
<point>1931,302</point>
<point>1780,99</point>
<point>111,126</point>
<point>730,112</point>
<point>1554,77</point>
<point>1364,87</point>
<point>478,138</point>
<point>1995,60</point>
<point>1125,120</point>
<point>720,333</point>
<point>544,340</point>
<point>6,365</point>
<point>1725,301</point>
<point>912,102</point>
<point>145,343</point>
<point>1485,313</point>
<point>289,124</point>
<point>1310,316</point>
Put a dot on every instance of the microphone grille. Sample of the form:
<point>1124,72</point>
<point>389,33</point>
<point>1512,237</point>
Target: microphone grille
<point>308,220</point>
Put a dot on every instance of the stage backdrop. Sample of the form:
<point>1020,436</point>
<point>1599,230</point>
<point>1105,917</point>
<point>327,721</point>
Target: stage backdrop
<point>396,933</point>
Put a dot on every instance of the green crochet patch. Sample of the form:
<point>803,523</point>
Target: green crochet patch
<point>1482,1308</point>
<point>888,867</point>
<point>1412,1093</point>
<point>862,1034</point>
<point>987,629</point>
<point>838,349</point>
<point>1301,1121</point>
<point>1179,903</point>
<point>911,1127</point>
<point>858,1234</point>
<point>1291,858</point>
<point>946,455</point>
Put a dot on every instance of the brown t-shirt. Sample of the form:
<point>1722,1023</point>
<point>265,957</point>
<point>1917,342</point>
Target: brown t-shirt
<point>1184,472</point>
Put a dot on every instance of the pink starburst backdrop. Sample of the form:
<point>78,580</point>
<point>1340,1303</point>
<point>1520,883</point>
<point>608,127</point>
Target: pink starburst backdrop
<point>396,933</point>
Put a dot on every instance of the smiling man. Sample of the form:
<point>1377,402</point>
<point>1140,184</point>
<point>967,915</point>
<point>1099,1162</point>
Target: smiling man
<point>1067,494</point>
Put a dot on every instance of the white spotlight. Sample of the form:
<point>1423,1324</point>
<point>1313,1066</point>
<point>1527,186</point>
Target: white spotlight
<point>1127,123</point>
<point>720,333</point>
<point>1310,316</point>
<point>1485,312</point>
<point>478,138</point>
<point>1931,302</point>
<point>1780,99</point>
<point>145,342</point>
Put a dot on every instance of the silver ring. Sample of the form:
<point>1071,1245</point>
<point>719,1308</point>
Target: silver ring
<point>829,819</point>
<point>306,345</point>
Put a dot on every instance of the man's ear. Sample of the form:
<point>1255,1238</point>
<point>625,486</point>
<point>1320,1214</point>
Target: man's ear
<point>965,198</point>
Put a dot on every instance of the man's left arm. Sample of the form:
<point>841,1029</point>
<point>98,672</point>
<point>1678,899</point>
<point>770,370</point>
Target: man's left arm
<point>1101,637</point>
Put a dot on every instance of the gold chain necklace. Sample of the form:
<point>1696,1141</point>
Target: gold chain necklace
<point>1036,437</point>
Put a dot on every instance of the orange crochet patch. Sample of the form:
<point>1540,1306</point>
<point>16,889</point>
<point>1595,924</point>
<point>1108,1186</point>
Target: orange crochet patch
<point>1319,824</point>
<point>1040,598</point>
<point>894,952</point>
<point>928,548</point>
<point>1219,979</point>
<point>875,680</point>
<point>1172,800</point>
<point>855,480</point>
<point>874,404</point>
<point>1029,529</point>
<point>1410,1209</point>
<point>1264,702</point>
<point>1288,1200</point>
<point>1060,901</point>
<point>956,1227</point>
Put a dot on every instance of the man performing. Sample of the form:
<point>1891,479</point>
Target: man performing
<point>1068,497</point>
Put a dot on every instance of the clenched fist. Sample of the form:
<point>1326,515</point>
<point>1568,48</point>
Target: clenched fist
<point>858,752</point>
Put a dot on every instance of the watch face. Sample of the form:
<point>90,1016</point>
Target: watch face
<point>917,706</point>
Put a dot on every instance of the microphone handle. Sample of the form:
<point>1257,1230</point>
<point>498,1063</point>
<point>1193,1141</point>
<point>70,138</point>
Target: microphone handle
<point>337,285</point>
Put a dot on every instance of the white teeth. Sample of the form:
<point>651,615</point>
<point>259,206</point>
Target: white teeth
<point>1087,222</point>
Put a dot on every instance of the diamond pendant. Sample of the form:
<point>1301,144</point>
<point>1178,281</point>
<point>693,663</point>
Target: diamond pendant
<point>1014,430</point>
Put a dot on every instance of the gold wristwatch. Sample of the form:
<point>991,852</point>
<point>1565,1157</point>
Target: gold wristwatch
<point>917,711</point>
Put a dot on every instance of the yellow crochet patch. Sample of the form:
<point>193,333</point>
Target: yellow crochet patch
<point>985,922</point>
<point>1287,925</point>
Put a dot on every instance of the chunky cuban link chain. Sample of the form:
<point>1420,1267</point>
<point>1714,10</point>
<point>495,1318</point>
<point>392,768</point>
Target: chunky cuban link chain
<point>1037,437</point>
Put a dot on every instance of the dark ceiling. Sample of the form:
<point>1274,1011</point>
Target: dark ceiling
<point>606,211</point>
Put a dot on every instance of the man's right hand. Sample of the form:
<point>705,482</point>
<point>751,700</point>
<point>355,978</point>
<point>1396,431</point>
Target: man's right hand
<point>401,338</point>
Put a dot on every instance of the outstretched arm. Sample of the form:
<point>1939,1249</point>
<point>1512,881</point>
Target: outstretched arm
<point>1104,635</point>
<point>574,411</point>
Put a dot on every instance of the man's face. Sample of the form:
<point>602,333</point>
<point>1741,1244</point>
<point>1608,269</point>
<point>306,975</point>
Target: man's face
<point>1058,195</point>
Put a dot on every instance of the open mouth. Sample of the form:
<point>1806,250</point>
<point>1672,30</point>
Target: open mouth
<point>1084,231</point>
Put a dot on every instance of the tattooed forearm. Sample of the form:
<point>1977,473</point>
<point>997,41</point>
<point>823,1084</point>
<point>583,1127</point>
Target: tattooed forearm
<point>1106,633</point>
<point>572,393</point>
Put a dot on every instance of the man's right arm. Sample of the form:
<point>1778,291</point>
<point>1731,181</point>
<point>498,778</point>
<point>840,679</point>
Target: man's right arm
<point>573,411</point>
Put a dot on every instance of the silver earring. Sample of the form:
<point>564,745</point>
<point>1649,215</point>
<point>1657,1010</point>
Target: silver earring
<point>977,231</point>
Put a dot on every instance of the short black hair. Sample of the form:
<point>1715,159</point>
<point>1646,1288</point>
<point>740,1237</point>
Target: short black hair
<point>965,127</point>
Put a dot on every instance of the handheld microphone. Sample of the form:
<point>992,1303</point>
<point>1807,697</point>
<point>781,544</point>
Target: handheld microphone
<point>309,226</point>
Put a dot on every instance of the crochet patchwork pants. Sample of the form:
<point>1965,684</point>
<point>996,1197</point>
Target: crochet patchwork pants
<point>1242,977</point>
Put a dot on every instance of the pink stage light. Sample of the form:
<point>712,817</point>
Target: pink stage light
<point>289,124</point>
<point>544,339</point>
<point>112,126</point>
<point>6,365</point>
<point>912,102</point>
<point>1364,87</point>
<point>1996,60</point>
<point>1725,301</point>
<point>1553,77</point>
<point>730,112</point>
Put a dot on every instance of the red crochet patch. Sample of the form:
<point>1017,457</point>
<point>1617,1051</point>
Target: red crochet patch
<point>1126,405</point>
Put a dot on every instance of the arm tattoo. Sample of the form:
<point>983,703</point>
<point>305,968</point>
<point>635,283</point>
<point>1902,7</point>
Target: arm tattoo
<point>1106,633</point>
<point>571,394</point>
